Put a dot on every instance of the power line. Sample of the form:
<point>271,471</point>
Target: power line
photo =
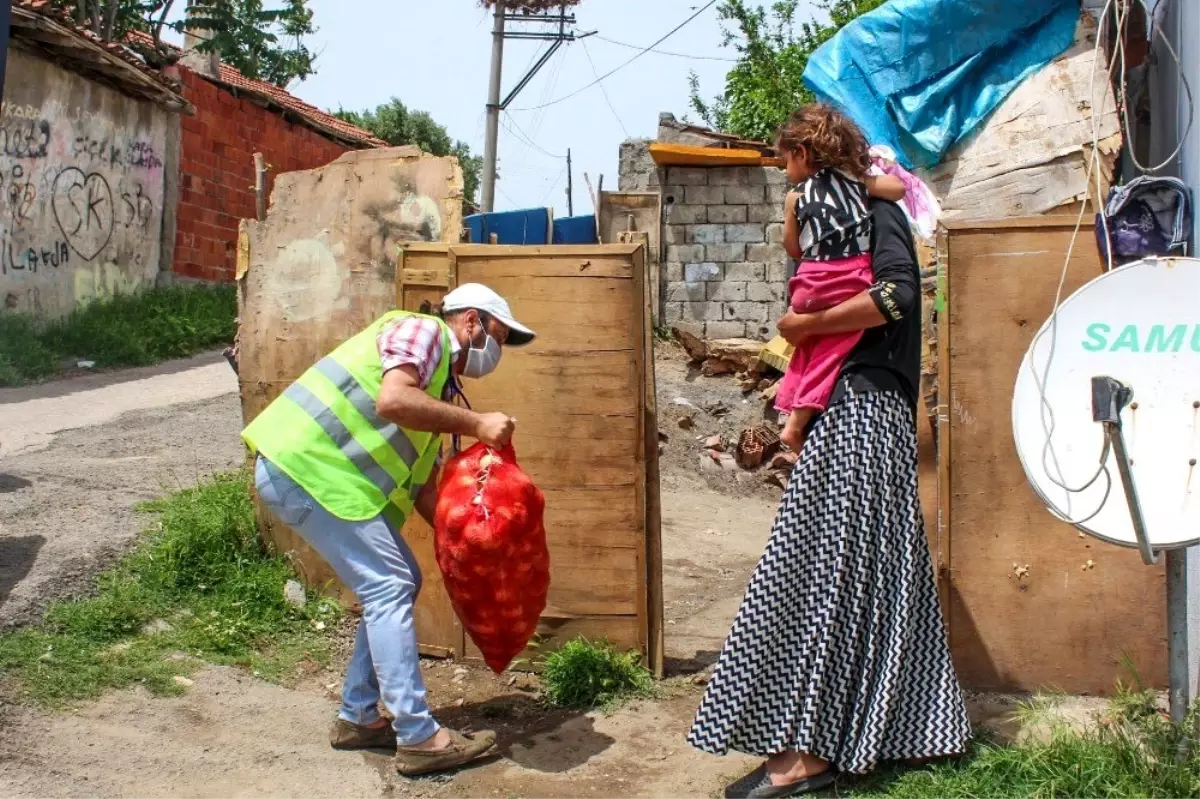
<point>549,90</point>
<point>504,194</point>
<point>511,125</point>
<point>554,185</point>
<point>667,52</point>
<point>617,69</point>
<point>607,99</point>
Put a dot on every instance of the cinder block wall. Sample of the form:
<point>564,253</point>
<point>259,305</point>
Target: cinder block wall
<point>725,270</point>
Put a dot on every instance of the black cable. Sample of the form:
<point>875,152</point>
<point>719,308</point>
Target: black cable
<point>667,52</point>
<point>615,70</point>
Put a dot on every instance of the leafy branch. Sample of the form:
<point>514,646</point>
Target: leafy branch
<point>399,125</point>
<point>765,85</point>
<point>261,43</point>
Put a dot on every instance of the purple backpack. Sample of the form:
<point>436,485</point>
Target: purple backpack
<point>1146,216</point>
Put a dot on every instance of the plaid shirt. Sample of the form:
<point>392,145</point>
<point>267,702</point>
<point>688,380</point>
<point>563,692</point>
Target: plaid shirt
<point>414,342</point>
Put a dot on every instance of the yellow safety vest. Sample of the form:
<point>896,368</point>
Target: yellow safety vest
<point>325,433</point>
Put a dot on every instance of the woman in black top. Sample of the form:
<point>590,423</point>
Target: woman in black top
<point>838,658</point>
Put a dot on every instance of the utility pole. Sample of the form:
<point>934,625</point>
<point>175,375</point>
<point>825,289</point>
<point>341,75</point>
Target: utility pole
<point>570,187</point>
<point>493,110</point>
<point>557,36</point>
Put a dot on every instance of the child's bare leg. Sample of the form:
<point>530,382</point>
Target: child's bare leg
<point>793,430</point>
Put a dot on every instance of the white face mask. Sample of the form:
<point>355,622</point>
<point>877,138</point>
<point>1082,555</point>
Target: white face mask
<point>482,360</point>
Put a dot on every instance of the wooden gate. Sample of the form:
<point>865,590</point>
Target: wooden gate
<point>583,397</point>
<point>1031,603</point>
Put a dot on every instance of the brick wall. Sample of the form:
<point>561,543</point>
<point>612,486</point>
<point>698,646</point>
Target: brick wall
<point>725,270</point>
<point>216,186</point>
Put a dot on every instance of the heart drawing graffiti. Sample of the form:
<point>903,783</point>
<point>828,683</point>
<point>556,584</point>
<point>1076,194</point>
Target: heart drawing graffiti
<point>83,209</point>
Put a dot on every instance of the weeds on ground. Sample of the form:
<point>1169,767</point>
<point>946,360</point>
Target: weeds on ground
<point>586,675</point>
<point>1132,751</point>
<point>198,587</point>
<point>131,330</point>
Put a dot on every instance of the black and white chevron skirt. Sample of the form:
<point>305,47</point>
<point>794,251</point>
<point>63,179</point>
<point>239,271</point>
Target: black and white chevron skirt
<point>838,648</point>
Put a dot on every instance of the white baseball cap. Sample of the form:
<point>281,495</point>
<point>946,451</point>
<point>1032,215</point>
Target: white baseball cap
<point>478,297</point>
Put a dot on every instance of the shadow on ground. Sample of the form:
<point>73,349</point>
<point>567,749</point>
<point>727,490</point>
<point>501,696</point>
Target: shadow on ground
<point>530,733</point>
<point>11,483</point>
<point>17,556</point>
<point>698,662</point>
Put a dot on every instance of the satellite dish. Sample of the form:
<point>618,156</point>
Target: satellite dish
<point>1140,326</point>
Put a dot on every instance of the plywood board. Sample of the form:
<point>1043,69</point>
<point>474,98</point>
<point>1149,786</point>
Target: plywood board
<point>322,267</point>
<point>424,275</point>
<point>627,216</point>
<point>693,155</point>
<point>578,394</point>
<point>1060,625</point>
<point>655,624</point>
<point>1030,156</point>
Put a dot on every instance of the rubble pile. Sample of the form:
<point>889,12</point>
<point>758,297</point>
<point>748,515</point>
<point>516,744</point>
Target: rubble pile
<point>739,448</point>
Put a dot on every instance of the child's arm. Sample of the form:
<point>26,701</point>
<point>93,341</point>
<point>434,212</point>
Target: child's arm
<point>885,187</point>
<point>791,226</point>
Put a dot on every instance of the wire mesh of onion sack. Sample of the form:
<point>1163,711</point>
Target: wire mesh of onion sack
<point>490,544</point>
<point>531,6</point>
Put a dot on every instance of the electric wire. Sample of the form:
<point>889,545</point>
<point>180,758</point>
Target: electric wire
<point>517,131</point>
<point>607,99</point>
<point>667,52</point>
<point>618,68</point>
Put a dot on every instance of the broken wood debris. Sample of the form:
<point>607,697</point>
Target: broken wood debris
<point>731,356</point>
<point>692,344</point>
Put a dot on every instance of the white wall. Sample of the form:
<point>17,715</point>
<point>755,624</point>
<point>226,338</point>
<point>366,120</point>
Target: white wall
<point>82,175</point>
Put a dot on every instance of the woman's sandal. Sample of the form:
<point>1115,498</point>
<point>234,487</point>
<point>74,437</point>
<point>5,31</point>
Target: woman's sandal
<point>757,785</point>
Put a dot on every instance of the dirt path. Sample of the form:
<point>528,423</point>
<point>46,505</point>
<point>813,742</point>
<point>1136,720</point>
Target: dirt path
<point>76,457</point>
<point>79,455</point>
<point>86,451</point>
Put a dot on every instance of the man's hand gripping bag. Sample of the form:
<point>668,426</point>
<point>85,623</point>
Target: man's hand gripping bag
<point>491,547</point>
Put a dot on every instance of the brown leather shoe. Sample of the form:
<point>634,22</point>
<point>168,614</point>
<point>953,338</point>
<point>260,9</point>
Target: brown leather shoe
<point>462,750</point>
<point>344,735</point>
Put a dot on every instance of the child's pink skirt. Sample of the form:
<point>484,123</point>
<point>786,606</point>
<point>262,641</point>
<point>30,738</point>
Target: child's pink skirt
<point>815,365</point>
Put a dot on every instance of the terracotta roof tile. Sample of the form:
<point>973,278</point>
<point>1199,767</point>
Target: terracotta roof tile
<point>311,113</point>
<point>322,121</point>
<point>46,9</point>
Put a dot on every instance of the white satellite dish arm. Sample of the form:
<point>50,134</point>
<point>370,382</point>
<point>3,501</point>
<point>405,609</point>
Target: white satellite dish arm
<point>1109,398</point>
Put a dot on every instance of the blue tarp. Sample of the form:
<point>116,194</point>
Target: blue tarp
<point>530,226</point>
<point>575,230</point>
<point>920,75</point>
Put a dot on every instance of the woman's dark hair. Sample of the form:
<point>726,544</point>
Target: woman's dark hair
<point>834,141</point>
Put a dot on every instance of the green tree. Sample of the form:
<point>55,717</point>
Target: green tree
<point>398,125</point>
<point>765,85</point>
<point>261,43</point>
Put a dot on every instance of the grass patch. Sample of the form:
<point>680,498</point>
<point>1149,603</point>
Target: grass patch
<point>197,588</point>
<point>132,330</point>
<point>1132,751</point>
<point>585,675</point>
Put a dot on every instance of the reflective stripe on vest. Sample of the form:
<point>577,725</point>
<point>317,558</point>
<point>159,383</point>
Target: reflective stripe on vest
<point>323,415</point>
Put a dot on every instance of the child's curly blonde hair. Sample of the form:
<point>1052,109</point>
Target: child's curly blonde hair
<point>832,139</point>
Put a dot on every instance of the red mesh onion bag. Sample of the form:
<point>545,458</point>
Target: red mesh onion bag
<point>491,547</point>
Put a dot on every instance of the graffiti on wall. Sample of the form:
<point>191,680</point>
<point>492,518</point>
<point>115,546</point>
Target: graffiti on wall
<point>103,281</point>
<point>81,195</point>
<point>405,216</point>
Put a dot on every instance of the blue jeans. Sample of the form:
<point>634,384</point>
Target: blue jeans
<point>371,558</point>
